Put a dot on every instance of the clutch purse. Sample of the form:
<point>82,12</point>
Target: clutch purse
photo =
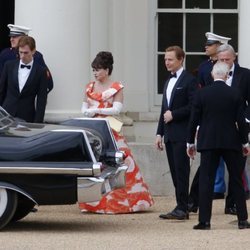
<point>114,123</point>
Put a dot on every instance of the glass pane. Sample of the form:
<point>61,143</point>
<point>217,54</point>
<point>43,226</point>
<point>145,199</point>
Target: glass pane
<point>204,4</point>
<point>200,23</point>
<point>169,30</point>
<point>225,4</point>
<point>227,25</point>
<point>162,74</point>
<point>169,3</point>
<point>193,62</point>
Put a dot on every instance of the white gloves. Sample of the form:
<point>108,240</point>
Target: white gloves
<point>86,111</point>
<point>115,110</point>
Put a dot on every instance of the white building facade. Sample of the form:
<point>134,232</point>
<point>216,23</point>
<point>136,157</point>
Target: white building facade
<point>71,33</point>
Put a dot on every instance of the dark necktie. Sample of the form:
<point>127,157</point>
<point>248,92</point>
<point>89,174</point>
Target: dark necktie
<point>230,73</point>
<point>173,75</point>
<point>25,66</point>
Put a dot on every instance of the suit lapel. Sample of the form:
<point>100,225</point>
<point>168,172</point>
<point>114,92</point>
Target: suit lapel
<point>236,76</point>
<point>175,87</point>
<point>15,76</point>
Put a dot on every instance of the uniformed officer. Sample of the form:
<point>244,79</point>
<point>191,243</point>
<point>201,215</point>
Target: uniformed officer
<point>16,31</point>
<point>205,68</point>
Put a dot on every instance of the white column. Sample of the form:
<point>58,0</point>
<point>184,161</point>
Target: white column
<point>62,32</point>
<point>244,35</point>
<point>99,26</point>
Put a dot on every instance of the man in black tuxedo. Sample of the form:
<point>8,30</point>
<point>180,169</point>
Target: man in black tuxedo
<point>176,103</point>
<point>218,110</point>
<point>7,54</point>
<point>23,84</point>
<point>239,78</point>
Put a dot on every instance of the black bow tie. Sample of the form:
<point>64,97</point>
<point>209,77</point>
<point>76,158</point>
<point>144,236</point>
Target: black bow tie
<point>25,66</point>
<point>230,73</point>
<point>173,75</point>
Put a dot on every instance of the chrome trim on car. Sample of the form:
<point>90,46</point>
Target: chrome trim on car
<point>92,189</point>
<point>89,189</point>
<point>97,168</point>
<point>17,189</point>
<point>119,157</point>
<point>40,168</point>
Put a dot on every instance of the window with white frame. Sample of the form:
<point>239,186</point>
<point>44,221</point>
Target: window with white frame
<point>184,23</point>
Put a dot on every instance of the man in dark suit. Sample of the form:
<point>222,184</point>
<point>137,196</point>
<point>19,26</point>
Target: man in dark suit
<point>23,84</point>
<point>16,32</point>
<point>204,79</point>
<point>239,78</point>
<point>218,110</point>
<point>176,103</point>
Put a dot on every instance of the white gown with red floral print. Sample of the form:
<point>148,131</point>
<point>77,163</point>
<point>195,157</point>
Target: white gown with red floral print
<point>135,195</point>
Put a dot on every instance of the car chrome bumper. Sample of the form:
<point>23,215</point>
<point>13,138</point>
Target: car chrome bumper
<point>92,189</point>
<point>72,168</point>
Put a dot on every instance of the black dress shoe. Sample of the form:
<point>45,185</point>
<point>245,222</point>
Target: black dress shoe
<point>243,224</point>
<point>192,208</point>
<point>231,210</point>
<point>176,214</point>
<point>218,196</point>
<point>202,226</point>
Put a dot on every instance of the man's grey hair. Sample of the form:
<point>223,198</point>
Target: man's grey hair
<point>220,70</point>
<point>226,47</point>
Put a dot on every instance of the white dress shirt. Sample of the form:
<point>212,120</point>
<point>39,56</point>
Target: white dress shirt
<point>230,78</point>
<point>23,74</point>
<point>171,84</point>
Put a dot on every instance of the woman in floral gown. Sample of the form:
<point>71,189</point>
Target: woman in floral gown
<point>104,97</point>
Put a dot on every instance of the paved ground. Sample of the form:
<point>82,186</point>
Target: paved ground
<point>64,227</point>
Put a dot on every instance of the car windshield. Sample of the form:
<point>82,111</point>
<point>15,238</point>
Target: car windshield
<point>6,120</point>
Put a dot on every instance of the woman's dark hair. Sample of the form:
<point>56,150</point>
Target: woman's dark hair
<point>103,60</point>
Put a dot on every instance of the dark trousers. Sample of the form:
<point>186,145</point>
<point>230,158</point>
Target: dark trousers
<point>194,189</point>
<point>180,169</point>
<point>209,163</point>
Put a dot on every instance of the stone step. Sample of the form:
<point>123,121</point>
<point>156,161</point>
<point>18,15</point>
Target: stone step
<point>140,132</point>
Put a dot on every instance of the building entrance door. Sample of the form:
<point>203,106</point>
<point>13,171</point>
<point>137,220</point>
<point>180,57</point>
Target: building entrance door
<point>7,9</point>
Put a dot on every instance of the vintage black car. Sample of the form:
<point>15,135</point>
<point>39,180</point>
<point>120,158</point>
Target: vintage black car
<point>48,164</point>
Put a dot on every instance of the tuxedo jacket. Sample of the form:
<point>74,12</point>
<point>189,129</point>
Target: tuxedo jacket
<point>241,80</point>
<point>180,106</point>
<point>12,54</point>
<point>30,103</point>
<point>219,111</point>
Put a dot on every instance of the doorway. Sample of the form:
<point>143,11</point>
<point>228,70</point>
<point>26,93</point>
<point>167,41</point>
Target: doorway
<point>7,14</point>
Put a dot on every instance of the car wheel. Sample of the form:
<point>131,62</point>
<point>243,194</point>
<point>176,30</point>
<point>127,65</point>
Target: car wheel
<point>24,207</point>
<point>8,204</point>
